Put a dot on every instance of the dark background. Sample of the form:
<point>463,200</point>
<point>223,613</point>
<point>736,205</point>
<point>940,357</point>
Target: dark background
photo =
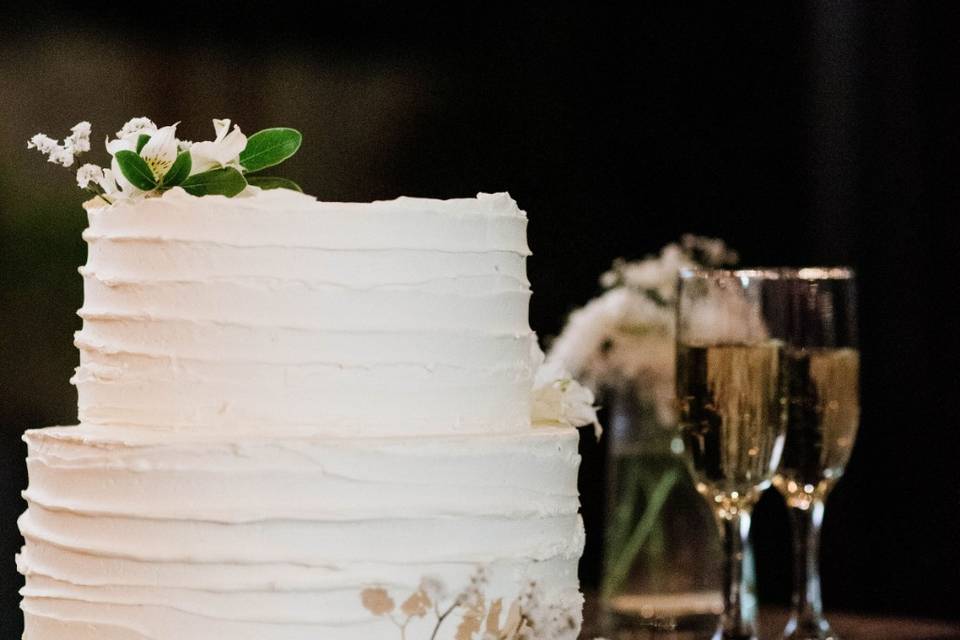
<point>815,132</point>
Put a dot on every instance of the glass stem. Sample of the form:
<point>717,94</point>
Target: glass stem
<point>806,619</point>
<point>739,621</point>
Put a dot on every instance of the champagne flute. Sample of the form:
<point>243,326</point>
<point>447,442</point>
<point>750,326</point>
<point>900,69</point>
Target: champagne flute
<point>821,368</point>
<point>733,412</point>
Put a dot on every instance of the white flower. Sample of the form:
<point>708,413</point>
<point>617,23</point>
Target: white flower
<point>89,173</point>
<point>160,152</point>
<point>109,182</point>
<point>42,143</point>
<point>656,275</point>
<point>55,152</point>
<point>79,139</point>
<point>126,140</point>
<point>711,252</point>
<point>558,399</point>
<point>224,151</point>
<point>135,126</point>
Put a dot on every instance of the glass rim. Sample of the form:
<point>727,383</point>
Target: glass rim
<point>770,273</point>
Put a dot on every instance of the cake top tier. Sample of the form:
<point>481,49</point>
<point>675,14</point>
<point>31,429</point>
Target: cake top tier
<point>273,311</point>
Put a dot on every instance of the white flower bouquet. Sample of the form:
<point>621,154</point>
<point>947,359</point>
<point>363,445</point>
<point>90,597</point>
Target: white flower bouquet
<point>622,340</point>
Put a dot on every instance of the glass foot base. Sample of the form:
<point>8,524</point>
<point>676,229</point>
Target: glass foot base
<point>732,635</point>
<point>809,630</point>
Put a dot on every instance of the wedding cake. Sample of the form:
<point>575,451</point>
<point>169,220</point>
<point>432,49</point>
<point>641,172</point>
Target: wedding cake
<point>303,420</point>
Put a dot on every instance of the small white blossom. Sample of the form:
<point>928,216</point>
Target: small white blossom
<point>89,173</point>
<point>79,139</point>
<point>42,143</point>
<point>710,252</point>
<point>135,126</point>
<point>55,152</point>
<point>223,151</point>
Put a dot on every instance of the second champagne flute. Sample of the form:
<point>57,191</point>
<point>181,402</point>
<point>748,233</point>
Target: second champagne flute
<point>821,369</point>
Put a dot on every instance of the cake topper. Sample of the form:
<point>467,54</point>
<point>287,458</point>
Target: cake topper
<point>148,160</point>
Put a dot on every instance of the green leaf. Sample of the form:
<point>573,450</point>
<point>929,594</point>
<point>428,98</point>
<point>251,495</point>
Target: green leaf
<point>135,169</point>
<point>178,171</point>
<point>273,183</point>
<point>142,140</point>
<point>269,147</point>
<point>225,182</point>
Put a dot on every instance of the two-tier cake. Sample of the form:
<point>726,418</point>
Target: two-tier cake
<point>303,421</point>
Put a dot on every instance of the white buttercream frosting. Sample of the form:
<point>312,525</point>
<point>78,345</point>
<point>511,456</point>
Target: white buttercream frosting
<point>284,402</point>
<point>135,531</point>
<point>278,311</point>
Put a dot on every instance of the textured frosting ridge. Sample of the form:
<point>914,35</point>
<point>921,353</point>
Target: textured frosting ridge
<point>284,402</point>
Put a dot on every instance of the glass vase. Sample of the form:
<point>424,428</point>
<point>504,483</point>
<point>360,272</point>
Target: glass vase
<point>662,552</point>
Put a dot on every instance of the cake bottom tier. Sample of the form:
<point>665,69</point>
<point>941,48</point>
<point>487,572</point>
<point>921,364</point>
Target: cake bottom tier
<point>134,534</point>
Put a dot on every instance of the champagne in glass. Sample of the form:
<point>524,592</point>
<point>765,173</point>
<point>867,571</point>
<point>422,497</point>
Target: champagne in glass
<point>823,416</point>
<point>733,412</point>
<point>821,371</point>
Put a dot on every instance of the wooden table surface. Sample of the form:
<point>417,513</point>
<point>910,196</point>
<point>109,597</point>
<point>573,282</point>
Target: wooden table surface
<point>848,625</point>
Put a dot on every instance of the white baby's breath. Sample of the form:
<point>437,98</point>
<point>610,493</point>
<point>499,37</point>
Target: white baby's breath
<point>135,126</point>
<point>55,152</point>
<point>79,139</point>
<point>89,173</point>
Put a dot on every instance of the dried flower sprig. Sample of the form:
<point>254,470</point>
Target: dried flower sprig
<point>529,617</point>
<point>148,160</point>
<point>63,154</point>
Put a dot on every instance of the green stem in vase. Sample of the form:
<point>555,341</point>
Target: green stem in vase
<point>619,570</point>
<point>627,497</point>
